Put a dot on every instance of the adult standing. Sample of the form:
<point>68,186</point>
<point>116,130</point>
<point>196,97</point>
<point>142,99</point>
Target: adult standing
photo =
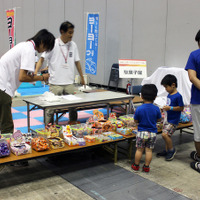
<point>18,65</point>
<point>193,68</point>
<point>61,65</point>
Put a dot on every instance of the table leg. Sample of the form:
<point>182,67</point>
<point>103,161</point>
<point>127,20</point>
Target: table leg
<point>28,116</point>
<point>44,116</point>
<point>130,148</point>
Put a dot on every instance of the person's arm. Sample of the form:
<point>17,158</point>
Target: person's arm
<point>193,78</point>
<point>24,77</point>
<point>39,65</point>
<point>78,66</point>
<point>175,108</point>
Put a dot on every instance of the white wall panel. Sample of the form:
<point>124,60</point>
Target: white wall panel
<point>56,16</point>
<point>28,19</point>
<point>149,33</point>
<point>118,33</point>
<point>41,14</point>
<point>183,24</point>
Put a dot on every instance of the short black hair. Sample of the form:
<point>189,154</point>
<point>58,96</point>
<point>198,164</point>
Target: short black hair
<point>169,79</point>
<point>149,92</point>
<point>65,26</point>
<point>45,37</point>
<point>197,37</point>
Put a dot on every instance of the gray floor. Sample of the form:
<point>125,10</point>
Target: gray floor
<point>39,182</point>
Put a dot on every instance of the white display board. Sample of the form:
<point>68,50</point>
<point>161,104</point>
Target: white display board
<point>131,68</point>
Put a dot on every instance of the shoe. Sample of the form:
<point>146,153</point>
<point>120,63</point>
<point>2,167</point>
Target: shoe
<point>194,156</point>
<point>135,167</point>
<point>163,153</point>
<point>170,155</point>
<point>195,166</point>
<point>145,168</point>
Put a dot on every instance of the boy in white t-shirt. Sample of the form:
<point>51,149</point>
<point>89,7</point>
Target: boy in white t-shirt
<point>18,65</point>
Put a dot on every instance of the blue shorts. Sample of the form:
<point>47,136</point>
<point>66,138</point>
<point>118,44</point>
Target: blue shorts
<point>145,139</point>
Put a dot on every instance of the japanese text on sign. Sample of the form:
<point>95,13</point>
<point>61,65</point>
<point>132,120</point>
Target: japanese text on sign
<point>92,43</point>
<point>132,68</point>
<point>10,23</point>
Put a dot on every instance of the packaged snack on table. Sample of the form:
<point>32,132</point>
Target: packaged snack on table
<point>40,144</point>
<point>115,136</point>
<point>108,133</point>
<point>7,136</point>
<point>106,126</point>
<point>81,141</point>
<point>89,138</point>
<point>112,117</point>
<point>56,143</point>
<point>49,131</point>
<point>4,148</point>
<point>59,128</point>
<point>124,131</point>
<point>67,132</point>
<point>18,145</point>
<point>71,141</point>
<point>21,149</point>
<point>128,120</point>
<point>28,137</point>
<point>80,130</point>
<point>96,131</point>
<point>101,138</point>
<point>43,132</point>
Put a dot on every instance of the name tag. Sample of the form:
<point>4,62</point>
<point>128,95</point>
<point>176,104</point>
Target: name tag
<point>66,66</point>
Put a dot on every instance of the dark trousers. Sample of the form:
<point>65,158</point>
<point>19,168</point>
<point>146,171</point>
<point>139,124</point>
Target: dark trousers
<point>6,120</point>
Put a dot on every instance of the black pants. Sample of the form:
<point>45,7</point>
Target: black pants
<point>6,120</point>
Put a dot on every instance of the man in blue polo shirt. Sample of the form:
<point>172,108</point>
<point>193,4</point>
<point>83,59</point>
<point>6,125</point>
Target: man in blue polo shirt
<point>193,68</point>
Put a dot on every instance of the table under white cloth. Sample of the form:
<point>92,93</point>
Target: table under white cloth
<point>184,84</point>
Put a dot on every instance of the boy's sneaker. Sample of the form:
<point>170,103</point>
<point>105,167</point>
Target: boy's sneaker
<point>163,153</point>
<point>170,155</point>
<point>195,166</point>
<point>194,156</point>
<point>146,168</point>
<point>135,167</point>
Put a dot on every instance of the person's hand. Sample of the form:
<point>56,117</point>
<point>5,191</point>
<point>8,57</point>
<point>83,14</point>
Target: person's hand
<point>46,76</point>
<point>166,108</point>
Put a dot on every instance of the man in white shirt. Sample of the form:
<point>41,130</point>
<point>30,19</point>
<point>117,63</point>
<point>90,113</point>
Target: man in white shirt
<point>18,65</point>
<point>62,61</point>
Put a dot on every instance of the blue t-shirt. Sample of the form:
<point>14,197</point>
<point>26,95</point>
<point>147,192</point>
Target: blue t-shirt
<point>147,115</point>
<point>174,100</point>
<point>194,64</point>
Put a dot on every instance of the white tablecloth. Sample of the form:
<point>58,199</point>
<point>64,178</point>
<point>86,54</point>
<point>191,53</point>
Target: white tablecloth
<point>184,84</point>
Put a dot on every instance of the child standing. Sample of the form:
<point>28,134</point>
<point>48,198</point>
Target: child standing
<point>146,116</point>
<point>174,107</point>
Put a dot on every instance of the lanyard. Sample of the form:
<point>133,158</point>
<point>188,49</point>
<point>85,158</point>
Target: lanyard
<point>65,57</point>
<point>32,43</point>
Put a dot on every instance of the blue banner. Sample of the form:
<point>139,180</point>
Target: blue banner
<point>92,44</point>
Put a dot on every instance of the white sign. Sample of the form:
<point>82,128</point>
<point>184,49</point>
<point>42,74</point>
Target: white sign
<point>132,68</point>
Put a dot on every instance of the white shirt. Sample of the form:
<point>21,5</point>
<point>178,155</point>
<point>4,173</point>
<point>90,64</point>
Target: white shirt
<point>61,62</point>
<point>21,56</point>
